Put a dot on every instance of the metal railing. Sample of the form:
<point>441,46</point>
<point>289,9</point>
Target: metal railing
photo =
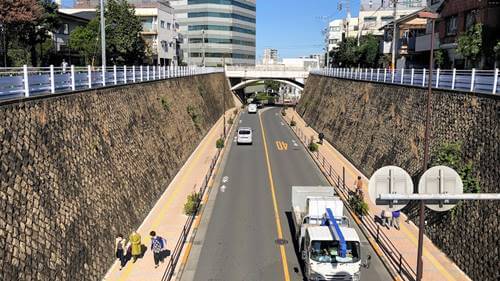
<point>481,81</point>
<point>27,81</point>
<point>368,223</point>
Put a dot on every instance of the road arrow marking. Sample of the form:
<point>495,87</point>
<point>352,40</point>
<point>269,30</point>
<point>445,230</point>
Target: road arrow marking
<point>225,179</point>
<point>223,188</point>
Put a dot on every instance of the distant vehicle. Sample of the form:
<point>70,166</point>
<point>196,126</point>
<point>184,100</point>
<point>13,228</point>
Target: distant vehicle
<point>252,108</point>
<point>329,247</point>
<point>258,103</point>
<point>244,135</point>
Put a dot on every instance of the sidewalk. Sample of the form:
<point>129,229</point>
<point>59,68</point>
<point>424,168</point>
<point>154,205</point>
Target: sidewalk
<point>167,217</point>
<point>437,266</point>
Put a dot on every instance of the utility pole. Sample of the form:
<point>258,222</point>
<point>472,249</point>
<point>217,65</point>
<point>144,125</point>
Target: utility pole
<point>203,46</point>
<point>189,49</point>
<point>103,37</point>
<point>393,58</point>
<point>224,91</point>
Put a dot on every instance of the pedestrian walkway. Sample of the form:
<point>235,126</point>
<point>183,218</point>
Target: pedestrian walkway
<point>167,217</point>
<point>437,266</point>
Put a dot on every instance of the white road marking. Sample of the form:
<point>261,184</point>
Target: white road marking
<point>225,179</point>
<point>223,188</point>
<point>240,121</point>
<point>294,143</point>
<point>282,124</point>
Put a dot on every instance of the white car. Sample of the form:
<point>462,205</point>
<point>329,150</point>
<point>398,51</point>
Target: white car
<point>252,108</point>
<point>244,135</point>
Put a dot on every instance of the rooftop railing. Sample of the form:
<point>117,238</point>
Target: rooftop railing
<point>479,81</point>
<point>16,82</point>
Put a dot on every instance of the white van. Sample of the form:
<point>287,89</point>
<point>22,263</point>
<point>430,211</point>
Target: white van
<point>252,108</point>
<point>244,135</point>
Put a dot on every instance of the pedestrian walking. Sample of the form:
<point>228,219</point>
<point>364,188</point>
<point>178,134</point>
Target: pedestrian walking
<point>395,219</point>
<point>135,243</point>
<point>358,185</point>
<point>321,136</point>
<point>64,64</point>
<point>158,245</point>
<point>386,217</point>
<point>121,250</point>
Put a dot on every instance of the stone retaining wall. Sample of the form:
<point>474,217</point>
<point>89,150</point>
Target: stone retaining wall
<point>375,125</point>
<point>77,169</point>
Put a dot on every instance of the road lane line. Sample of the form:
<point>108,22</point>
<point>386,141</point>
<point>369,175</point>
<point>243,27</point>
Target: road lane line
<point>275,204</point>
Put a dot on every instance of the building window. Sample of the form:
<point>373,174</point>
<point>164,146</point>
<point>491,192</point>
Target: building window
<point>470,19</point>
<point>168,25</point>
<point>223,2</point>
<point>222,28</point>
<point>451,25</point>
<point>65,29</point>
<point>221,15</point>
<point>162,24</point>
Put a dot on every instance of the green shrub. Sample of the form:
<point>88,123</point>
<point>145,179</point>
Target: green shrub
<point>313,147</point>
<point>293,123</point>
<point>165,104</point>
<point>195,116</point>
<point>235,111</point>
<point>192,204</point>
<point>358,205</point>
<point>219,143</point>
<point>283,112</point>
<point>230,120</point>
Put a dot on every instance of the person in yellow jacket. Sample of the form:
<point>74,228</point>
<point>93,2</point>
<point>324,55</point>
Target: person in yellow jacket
<point>135,245</point>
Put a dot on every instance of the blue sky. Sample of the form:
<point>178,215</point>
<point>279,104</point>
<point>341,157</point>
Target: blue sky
<point>294,26</point>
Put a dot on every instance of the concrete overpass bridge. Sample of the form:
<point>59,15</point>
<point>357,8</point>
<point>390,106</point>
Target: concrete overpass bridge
<point>242,76</point>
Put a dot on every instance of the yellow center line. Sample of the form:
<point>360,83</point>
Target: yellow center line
<point>177,188</point>
<point>275,205</point>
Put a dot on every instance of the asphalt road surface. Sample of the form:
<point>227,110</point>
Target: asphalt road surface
<point>239,231</point>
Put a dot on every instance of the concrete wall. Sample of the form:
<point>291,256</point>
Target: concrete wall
<point>77,169</point>
<point>377,124</point>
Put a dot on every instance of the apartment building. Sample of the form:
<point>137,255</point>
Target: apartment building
<point>217,30</point>
<point>270,56</point>
<point>339,29</point>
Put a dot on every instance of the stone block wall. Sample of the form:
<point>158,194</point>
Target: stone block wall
<point>77,169</point>
<point>375,125</point>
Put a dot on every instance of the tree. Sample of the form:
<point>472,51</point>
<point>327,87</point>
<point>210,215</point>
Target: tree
<point>347,53</point>
<point>123,42</point>
<point>85,40</point>
<point>496,50</point>
<point>470,43</point>
<point>368,50</point>
<point>439,57</point>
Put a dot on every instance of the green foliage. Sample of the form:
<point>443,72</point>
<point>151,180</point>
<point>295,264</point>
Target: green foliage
<point>192,204</point>
<point>359,206</point>
<point>283,112</point>
<point>85,40</point>
<point>219,143</point>
<point>313,147</point>
<point>123,43</point>
<point>368,50</point>
<point>273,85</point>
<point>350,54</point>
<point>230,120</point>
<point>439,57</point>
<point>469,44</point>
<point>347,53</point>
<point>450,154</point>
<point>165,104</point>
<point>195,116</point>
<point>293,123</point>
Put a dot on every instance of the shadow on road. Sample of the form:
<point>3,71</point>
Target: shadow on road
<point>291,226</point>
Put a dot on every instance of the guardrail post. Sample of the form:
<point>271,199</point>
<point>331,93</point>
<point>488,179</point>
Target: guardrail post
<point>154,72</point>
<point>164,71</point>
<point>73,86</point>
<point>133,73</point>
<point>142,76</point>
<point>343,176</point>
<point>472,79</point>
<point>378,233</point>
<point>26,81</point>
<point>371,74</point>
<point>378,74</point>
<point>437,77</point>
<point>423,77</point>
<point>52,82</point>
<point>385,74</point>
<point>89,75</point>
<point>402,75</point>
<point>147,72</point>
<point>124,74</point>
<point>412,75</point>
<point>400,263</point>
<point>392,75</point>
<point>103,76</point>
<point>453,77</point>
<point>115,79</point>
<point>495,81</point>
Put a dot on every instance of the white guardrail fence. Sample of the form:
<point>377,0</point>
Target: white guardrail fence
<point>26,81</point>
<point>481,81</point>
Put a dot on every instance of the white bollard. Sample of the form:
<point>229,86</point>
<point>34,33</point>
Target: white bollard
<point>26,81</point>
<point>73,86</point>
<point>124,74</point>
<point>402,75</point>
<point>103,76</point>
<point>385,74</point>
<point>115,79</point>
<point>133,73</point>
<point>147,72</point>
<point>52,82</point>
<point>472,79</point>
<point>423,77</point>
<point>453,77</point>
<point>437,77</point>
<point>495,81</point>
<point>412,75</point>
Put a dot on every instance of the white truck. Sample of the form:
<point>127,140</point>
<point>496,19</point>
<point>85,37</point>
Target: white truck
<point>329,248</point>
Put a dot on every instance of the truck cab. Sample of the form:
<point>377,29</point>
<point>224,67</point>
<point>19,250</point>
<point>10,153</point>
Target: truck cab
<point>321,254</point>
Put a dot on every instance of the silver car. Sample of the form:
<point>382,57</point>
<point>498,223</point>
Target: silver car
<point>244,135</point>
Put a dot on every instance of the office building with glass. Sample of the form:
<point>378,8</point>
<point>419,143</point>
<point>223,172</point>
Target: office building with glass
<point>217,30</point>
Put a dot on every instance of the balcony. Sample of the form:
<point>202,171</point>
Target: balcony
<point>423,43</point>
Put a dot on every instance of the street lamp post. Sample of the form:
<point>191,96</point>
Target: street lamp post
<point>103,37</point>
<point>421,226</point>
<point>224,92</point>
<point>203,46</point>
<point>393,57</point>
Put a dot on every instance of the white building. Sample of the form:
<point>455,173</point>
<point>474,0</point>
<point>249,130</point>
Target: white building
<point>303,62</point>
<point>270,56</point>
<point>217,30</point>
<point>158,23</point>
<point>374,14</point>
<point>339,29</point>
